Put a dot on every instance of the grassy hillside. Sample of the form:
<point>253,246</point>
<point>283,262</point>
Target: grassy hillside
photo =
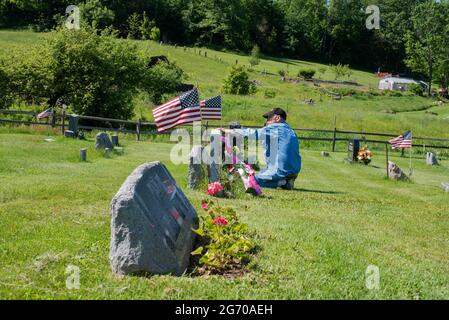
<point>361,111</point>
<point>317,240</point>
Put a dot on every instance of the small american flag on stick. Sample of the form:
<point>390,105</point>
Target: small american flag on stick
<point>45,114</point>
<point>211,108</point>
<point>403,141</point>
<point>180,110</point>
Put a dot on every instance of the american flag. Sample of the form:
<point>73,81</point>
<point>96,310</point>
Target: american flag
<point>182,109</point>
<point>211,108</point>
<point>45,114</point>
<point>403,141</point>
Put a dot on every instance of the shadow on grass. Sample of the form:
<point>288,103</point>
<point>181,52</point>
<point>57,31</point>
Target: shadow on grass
<point>317,191</point>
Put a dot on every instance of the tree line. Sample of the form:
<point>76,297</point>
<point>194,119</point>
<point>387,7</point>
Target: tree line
<point>328,31</point>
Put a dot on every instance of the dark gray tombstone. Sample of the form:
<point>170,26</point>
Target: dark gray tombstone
<point>102,141</point>
<point>114,139</point>
<point>195,171</point>
<point>83,154</point>
<point>353,150</point>
<point>431,159</point>
<point>69,134</point>
<point>73,124</point>
<point>151,224</point>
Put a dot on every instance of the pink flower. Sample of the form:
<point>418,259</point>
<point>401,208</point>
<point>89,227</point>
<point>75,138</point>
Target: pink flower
<point>214,188</point>
<point>205,206</point>
<point>220,221</point>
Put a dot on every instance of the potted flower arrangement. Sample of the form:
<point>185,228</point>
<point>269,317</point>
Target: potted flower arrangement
<point>364,155</point>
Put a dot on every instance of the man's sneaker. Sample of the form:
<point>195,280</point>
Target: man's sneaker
<point>289,184</point>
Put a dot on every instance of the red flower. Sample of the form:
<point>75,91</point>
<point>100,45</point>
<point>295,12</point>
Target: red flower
<point>214,188</point>
<point>220,221</point>
<point>205,206</point>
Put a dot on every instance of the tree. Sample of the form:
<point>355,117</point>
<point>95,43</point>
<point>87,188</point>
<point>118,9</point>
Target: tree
<point>255,56</point>
<point>94,74</point>
<point>305,23</point>
<point>94,14</point>
<point>426,45</point>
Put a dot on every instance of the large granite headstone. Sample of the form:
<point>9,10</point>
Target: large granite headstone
<point>151,224</point>
<point>395,173</point>
<point>431,159</point>
<point>102,141</point>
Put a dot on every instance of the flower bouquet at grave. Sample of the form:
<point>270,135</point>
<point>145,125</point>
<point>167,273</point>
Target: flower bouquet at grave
<point>364,155</point>
<point>244,170</point>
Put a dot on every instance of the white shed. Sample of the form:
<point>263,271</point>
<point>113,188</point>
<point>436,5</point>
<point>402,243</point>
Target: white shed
<point>392,83</point>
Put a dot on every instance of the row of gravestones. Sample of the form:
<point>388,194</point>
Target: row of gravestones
<point>103,141</point>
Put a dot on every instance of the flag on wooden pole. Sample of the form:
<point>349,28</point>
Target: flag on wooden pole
<point>180,110</point>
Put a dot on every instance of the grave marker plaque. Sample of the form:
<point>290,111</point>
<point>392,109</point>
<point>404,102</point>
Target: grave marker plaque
<point>353,150</point>
<point>151,222</point>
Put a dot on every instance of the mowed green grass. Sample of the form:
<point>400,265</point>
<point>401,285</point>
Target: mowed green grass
<point>357,113</point>
<point>316,241</point>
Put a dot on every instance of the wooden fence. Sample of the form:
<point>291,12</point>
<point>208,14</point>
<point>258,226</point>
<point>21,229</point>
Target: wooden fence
<point>138,128</point>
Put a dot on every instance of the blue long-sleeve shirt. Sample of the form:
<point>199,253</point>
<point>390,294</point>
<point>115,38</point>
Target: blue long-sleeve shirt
<point>286,159</point>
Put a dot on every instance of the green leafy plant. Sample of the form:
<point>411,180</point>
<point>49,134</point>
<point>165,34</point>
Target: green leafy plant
<point>269,94</point>
<point>255,56</point>
<point>307,74</point>
<point>341,70</point>
<point>237,82</point>
<point>225,244</point>
<point>416,89</point>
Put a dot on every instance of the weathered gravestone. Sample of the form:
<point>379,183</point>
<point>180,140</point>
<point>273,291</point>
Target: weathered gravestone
<point>445,186</point>
<point>195,171</point>
<point>395,173</point>
<point>353,150</point>
<point>102,141</point>
<point>151,224</point>
<point>431,159</point>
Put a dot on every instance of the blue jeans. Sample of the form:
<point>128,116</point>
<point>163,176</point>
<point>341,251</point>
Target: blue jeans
<point>270,183</point>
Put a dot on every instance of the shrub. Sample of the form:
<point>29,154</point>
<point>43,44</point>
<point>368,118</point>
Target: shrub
<point>416,89</point>
<point>282,73</point>
<point>269,94</point>
<point>4,92</point>
<point>237,82</point>
<point>134,25</point>
<point>306,73</point>
<point>225,243</point>
<point>255,56</point>
<point>341,71</point>
<point>155,34</point>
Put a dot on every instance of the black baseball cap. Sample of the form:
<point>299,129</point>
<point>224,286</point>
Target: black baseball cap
<point>275,111</point>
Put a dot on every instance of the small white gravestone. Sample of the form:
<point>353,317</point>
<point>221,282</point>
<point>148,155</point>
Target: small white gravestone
<point>431,159</point>
<point>445,186</point>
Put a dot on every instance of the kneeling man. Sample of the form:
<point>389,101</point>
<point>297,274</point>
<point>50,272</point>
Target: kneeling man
<point>283,158</point>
